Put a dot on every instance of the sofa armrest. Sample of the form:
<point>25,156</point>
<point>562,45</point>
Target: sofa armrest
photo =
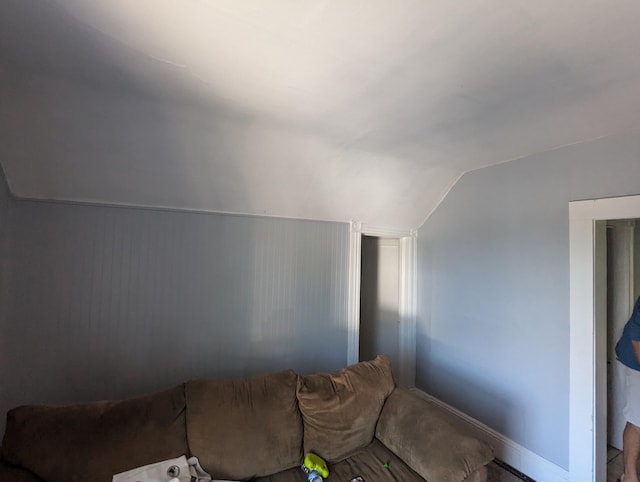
<point>429,439</point>
<point>16,474</point>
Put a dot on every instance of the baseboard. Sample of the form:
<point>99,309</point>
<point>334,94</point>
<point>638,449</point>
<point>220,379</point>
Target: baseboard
<point>505,449</point>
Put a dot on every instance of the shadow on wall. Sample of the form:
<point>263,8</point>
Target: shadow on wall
<point>379,300</point>
<point>369,327</point>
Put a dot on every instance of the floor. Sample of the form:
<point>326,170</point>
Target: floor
<point>500,472</point>
<point>614,464</point>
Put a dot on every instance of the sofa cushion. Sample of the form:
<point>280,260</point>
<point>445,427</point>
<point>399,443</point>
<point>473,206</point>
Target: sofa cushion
<point>246,427</point>
<point>93,441</point>
<point>368,463</point>
<point>430,440</point>
<point>340,409</point>
<point>9,473</point>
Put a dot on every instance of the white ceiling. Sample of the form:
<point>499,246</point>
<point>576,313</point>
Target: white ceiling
<point>365,110</point>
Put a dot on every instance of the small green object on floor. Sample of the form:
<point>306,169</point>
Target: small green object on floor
<point>386,465</point>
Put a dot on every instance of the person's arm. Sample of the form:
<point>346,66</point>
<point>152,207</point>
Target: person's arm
<point>636,348</point>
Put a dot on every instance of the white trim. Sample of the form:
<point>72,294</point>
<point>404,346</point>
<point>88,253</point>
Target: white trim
<point>632,264</point>
<point>353,309</point>
<point>407,305</point>
<point>407,310</point>
<point>504,448</point>
<point>381,232</point>
<point>587,409</point>
<point>625,207</point>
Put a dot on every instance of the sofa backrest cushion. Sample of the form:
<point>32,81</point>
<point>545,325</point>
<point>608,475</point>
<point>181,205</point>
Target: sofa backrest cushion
<point>245,427</point>
<point>93,441</point>
<point>340,409</point>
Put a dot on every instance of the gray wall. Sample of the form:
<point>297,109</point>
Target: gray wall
<point>106,302</point>
<point>493,327</point>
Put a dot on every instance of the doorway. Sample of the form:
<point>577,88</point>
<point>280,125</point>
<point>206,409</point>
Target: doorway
<point>588,332</point>
<point>404,374</point>
<point>621,276</point>
<point>380,299</point>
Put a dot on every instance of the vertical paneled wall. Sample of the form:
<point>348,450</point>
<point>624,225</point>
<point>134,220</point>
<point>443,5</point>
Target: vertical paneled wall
<point>105,302</point>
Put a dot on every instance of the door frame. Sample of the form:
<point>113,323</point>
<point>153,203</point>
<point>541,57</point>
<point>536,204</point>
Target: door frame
<point>407,299</point>
<point>587,339</point>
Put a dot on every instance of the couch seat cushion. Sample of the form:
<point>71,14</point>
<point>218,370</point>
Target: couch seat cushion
<point>245,427</point>
<point>367,463</point>
<point>93,441</point>
<point>340,409</point>
<point>9,473</point>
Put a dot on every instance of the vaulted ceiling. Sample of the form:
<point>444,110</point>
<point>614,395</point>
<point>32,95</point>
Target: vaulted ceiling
<point>365,110</point>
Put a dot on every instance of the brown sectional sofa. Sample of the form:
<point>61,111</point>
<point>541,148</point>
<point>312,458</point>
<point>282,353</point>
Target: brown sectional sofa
<point>256,428</point>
